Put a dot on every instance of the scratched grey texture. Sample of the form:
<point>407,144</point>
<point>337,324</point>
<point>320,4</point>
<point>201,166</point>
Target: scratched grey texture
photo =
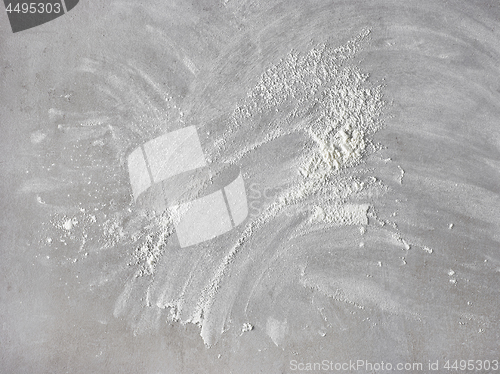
<point>78,93</point>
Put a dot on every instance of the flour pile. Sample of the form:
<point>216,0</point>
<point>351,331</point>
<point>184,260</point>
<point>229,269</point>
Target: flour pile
<point>331,103</point>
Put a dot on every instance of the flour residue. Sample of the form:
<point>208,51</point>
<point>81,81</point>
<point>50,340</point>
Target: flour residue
<point>317,110</point>
<point>359,293</point>
<point>330,103</point>
<point>327,102</point>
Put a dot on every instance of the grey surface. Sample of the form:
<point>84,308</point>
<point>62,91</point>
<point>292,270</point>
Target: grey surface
<point>63,308</point>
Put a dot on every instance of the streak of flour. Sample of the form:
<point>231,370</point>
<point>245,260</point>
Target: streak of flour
<point>328,102</point>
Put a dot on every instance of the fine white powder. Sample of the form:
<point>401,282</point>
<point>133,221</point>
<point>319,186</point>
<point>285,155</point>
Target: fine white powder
<point>333,106</point>
<point>324,102</point>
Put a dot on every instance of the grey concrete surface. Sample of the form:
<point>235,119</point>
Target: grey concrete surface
<point>92,283</point>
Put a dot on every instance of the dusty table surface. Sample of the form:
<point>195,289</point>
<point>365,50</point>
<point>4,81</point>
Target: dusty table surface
<point>368,138</point>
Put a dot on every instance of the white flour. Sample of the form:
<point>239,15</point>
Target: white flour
<point>332,104</point>
<point>322,102</point>
<point>334,108</point>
